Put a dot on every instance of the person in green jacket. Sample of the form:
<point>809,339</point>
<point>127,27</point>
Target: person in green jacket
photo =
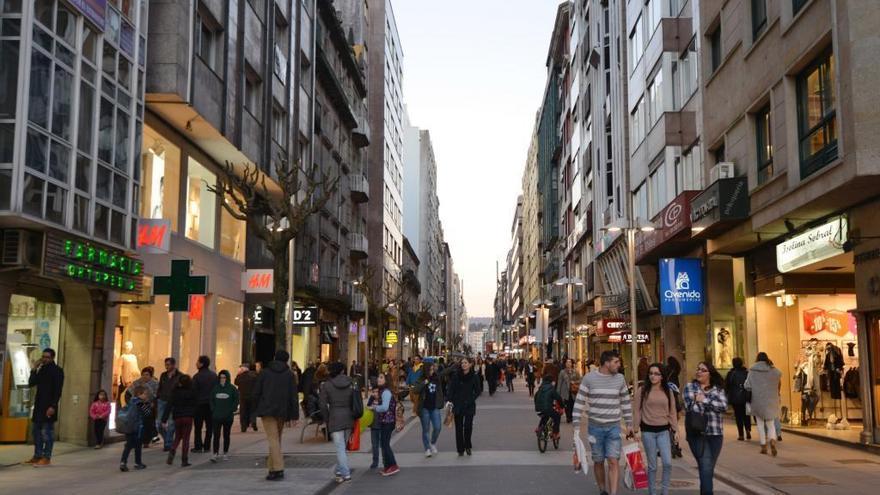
<point>224,401</point>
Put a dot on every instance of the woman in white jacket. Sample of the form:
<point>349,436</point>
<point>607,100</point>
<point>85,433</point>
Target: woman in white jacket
<point>764,382</point>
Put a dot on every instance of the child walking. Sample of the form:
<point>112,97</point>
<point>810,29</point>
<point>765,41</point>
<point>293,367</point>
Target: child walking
<point>140,408</point>
<point>99,411</point>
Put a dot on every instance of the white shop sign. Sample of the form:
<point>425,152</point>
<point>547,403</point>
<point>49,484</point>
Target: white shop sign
<point>812,246</point>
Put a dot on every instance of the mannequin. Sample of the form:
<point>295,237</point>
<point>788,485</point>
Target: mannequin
<point>126,369</point>
<point>834,367</point>
<point>725,353</point>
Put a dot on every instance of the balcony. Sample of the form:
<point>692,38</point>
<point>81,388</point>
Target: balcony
<point>677,33</point>
<point>358,302</point>
<point>358,245</point>
<point>361,134</point>
<point>334,288</point>
<point>680,128</point>
<point>359,187</point>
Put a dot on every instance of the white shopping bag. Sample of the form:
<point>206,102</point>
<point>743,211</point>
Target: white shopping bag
<point>580,451</point>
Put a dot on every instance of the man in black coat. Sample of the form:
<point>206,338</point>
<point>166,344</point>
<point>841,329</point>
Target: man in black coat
<point>493,374</point>
<point>48,377</point>
<point>275,397</point>
<point>203,383</point>
<point>245,381</point>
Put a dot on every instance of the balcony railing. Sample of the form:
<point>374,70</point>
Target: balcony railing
<point>358,245</point>
<point>359,187</point>
<point>358,302</point>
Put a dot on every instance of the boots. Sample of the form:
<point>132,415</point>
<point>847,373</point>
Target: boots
<point>764,449</point>
<point>184,460</point>
<point>170,459</point>
<point>773,447</point>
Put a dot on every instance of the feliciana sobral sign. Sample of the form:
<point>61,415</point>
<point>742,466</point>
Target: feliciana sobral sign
<point>681,286</point>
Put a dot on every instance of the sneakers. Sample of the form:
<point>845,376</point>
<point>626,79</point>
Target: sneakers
<point>434,448</point>
<point>275,476</point>
<point>342,479</point>
<point>428,453</point>
<point>98,446</point>
<point>391,471</point>
<point>140,466</point>
<point>215,458</point>
<point>123,467</point>
<point>225,457</point>
<point>43,462</point>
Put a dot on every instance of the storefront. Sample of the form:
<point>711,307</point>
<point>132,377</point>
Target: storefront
<point>806,320</point>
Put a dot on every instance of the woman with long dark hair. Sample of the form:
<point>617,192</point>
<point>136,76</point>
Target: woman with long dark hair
<point>705,403</point>
<point>764,381</point>
<point>657,420</point>
<point>464,388</point>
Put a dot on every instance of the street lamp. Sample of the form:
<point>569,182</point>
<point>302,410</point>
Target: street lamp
<point>441,315</point>
<point>568,282</point>
<point>631,227</point>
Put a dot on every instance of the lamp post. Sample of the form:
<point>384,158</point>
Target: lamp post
<point>630,227</point>
<point>441,315</point>
<point>541,304</point>
<point>568,282</point>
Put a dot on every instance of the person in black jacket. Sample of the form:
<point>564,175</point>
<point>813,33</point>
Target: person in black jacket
<point>182,408</point>
<point>203,383</point>
<point>168,381</point>
<point>737,397</point>
<point>464,388</point>
<point>275,397</point>
<point>48,377</point>
<point>245,381</point>
<point>493,374</point>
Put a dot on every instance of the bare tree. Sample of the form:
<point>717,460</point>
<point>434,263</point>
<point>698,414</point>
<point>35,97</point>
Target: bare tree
<point>275,210</point>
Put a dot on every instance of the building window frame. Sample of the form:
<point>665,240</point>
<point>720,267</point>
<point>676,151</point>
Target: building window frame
<point>797,5</point>
<point>764,144</point>
<point>715,52</point>
<point>209,39</point>
<point>826,124</point>
<point>759,18</point>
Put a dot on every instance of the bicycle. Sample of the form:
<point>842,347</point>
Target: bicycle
<point>545,434</point>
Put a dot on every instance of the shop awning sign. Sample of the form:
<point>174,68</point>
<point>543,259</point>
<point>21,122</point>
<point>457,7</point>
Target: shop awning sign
<point>305,316</point>
<point>681,286</point>
<point>391,336</point>
<point>89,263</point>
<point>627,338</point>
<point>812,246</point>
<point>257,280</point>
<point>607,326</point>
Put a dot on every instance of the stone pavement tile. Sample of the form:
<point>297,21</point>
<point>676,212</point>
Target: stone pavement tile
<point>16,453</point>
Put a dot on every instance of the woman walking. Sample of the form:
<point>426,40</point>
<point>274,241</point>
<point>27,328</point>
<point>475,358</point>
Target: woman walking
<point>530,376</point>
<point>335,404</point>
<point>224,401</point>
<point>148,381</point>
<point>656,418</point>
<point>463,392</point>
<point>567,385</point>
<point>386,410</point>
<point>705,402</point>
<point>764,381</point>
<point>183,410</point>
<point>431,391</point>
<point>737,397</point>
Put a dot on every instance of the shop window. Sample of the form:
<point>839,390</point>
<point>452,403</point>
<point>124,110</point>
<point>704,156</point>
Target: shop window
<point>161,173</point>
<point>764,143</point>
<point>229,328</point>
<point>817,116</point>
<point>148,329</point>
<point>201,215</point>
<point>232,235</point>
<point>33,325</point>
<point>191,336</point>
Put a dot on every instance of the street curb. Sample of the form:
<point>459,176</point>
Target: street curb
<point>739,482</point>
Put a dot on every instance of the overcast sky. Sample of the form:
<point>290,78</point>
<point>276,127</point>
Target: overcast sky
<point>474,76</point>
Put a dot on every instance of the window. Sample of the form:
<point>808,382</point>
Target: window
<point>657,190</point>
<point>687,72</point>
<point>817,116</point>
<point>654,93</point>
<point>232,234</point>
<point>228,317</point>
<point>759,17</point>
<point>653,13</point>
<point>764,142</point>
<point>210,39</point>
<point>161,172</point>
<point>278,123</point>
<point>636,44</point>
<point>797,5</point>
<point>201,214</point>
<point>719,154</point>
<point>640,202</point>
<point>637,126</point>
<point>715,47</point>
<point>689,171</point>
<point>253,93</point>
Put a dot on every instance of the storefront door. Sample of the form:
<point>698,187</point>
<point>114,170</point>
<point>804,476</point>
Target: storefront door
<point>873,320</point>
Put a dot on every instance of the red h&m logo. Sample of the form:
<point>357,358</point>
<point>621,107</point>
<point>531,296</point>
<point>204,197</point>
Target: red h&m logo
<point>257,280</point>
<point>260,281</point>
<point>196,307</point>
<point>154,236</point>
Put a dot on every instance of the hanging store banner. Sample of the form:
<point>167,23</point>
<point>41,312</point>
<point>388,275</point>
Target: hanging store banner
<point>608,326</point>
<point>681,286</point>
<point>391,336</point>
<point>814,245</point>
<point>257,280</point>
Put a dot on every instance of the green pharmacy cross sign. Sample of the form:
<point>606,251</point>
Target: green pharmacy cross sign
<point>180,285</point>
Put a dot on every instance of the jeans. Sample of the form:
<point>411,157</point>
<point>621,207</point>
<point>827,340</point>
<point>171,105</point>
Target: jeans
<point>658,441</point>
<point>464,426</point>
<point>766,429</point>
<point>604,441</point>
<point>509,382</point>
<point>182,429</point>
<point>376,440</point>
<point>778,424</point>
<point>203,416</point>
<point>706,449</point>
<point>167,433</point>
<point>339,440</point>
<point>743,421</point>
<point>99,426</point>
<point>44,438</point>
<point>430,419</point>
<point>224,426</point>
<point>387,455</point>
<point>133,441</point>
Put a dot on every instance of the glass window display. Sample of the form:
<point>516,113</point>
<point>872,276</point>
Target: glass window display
<point>143,338</point>
<point>33,325</point>
<point>201,214</point>
<point>228,353</point>
<point>161,173</point>
<point>191,336</point>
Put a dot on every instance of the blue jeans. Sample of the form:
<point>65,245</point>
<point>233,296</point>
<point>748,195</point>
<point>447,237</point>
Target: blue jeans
<point>132,441</point>
<point>167,433</point>
<point>339,439</point>
<point>658,441</point>
<point>44,438</point>
<point>430,418</point>
<point>387,454</point>
<point>604,441</point>
<point>376,441</point>
<point>706,449</point>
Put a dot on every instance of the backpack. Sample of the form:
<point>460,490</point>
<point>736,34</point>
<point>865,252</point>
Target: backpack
<point>127,418</point>
<point>542,399</point>
<point>357,403</point>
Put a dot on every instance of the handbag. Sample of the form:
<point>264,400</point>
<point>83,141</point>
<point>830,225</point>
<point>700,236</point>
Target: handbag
<point>450,417</point>
<point>695,423</point>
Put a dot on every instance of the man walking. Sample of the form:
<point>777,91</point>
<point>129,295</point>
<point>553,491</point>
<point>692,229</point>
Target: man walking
<point>203,383</point>
<point>604,395</point>
<point>275,394</point>
<point>245,382</point>
<point>168,381</point>
<point>48,377</point>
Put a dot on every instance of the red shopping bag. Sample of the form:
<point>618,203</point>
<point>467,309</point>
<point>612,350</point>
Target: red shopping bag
<point>635,474</point>
<point>354,441</point>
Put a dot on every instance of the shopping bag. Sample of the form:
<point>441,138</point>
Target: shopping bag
<point>450,417</point>
<point>581,463</point>
<point>748,409</point>
<point>354,441</point>
<point>635,475</point>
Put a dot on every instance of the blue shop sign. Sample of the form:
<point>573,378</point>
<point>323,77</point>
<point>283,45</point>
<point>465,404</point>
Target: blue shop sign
<point>681,286</point>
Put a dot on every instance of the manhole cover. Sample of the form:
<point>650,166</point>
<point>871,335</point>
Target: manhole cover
<point>792,464</point>
<point>795,480</point>
<point>856,461</point>
<point>259,462</point>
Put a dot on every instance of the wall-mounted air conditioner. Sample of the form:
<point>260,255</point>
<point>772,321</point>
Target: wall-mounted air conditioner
<point>722,170</point>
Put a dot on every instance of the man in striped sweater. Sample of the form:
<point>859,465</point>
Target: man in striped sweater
<point>604,397</point>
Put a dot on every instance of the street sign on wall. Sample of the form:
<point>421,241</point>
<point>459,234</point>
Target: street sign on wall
<point>305,317</point>
<point>391,336</point>
<point>681,286</point>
